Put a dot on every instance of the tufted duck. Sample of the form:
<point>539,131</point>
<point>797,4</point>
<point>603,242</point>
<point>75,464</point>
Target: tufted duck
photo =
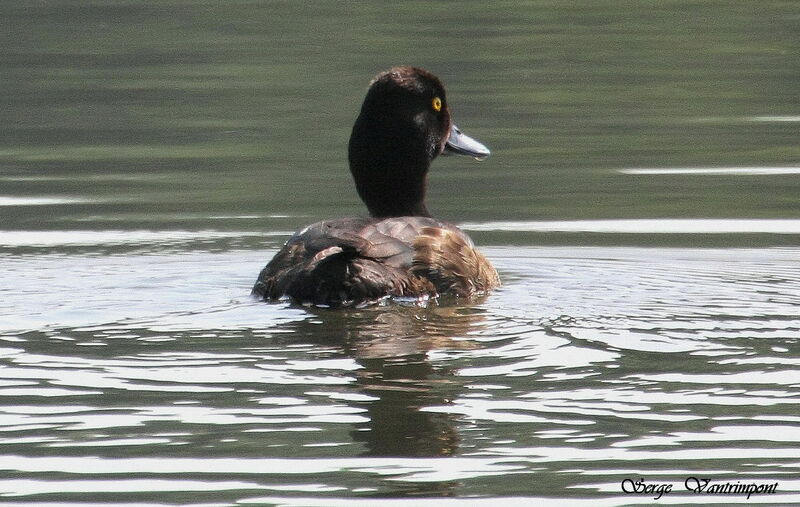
<point>400,251</point>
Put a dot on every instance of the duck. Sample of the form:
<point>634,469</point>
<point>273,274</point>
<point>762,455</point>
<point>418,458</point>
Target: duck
<point>400,251</point>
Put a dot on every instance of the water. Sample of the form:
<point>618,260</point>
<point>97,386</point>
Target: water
<point>641,205</point>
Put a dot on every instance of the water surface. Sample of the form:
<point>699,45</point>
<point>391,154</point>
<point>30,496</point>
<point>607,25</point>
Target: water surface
<point>641,206</point>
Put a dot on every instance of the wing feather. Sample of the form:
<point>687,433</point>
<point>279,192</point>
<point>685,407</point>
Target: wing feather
<point>348,261</point>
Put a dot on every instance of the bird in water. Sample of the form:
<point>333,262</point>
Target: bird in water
<point>399,251</point>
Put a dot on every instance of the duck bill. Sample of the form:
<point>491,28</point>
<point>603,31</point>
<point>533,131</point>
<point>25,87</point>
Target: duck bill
<point>459,143</point>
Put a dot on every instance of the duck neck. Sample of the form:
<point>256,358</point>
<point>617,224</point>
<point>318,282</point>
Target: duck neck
<point>390,171</point>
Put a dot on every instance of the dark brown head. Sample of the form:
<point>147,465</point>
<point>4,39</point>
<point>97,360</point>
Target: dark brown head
<point>403,125</point>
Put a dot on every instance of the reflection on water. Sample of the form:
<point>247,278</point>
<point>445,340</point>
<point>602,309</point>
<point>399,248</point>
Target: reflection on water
<point>776,118</point>
<point>589,366</point>
<point>703,171</point>
<point>391,347</point>
<point>38,201</point>
<point>649,226</point>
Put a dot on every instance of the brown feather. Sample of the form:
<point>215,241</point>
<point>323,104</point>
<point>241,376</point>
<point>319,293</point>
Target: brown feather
<point>447,257</point>
<point>353,261</point>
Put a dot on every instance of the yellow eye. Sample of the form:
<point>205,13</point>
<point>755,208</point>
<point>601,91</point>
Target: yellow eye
<point>436,104</point>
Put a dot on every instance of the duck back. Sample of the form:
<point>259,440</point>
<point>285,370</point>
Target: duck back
<point>354,261</point>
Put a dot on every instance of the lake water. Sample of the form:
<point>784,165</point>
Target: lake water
<point>642,205</point>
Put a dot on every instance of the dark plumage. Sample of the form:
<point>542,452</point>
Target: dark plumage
<point>400,251</point>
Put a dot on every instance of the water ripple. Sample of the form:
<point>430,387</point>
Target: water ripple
<point>590,365</point>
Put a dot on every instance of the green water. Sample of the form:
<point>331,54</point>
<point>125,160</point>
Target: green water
<point>163,108</point>
<point>642,205</point>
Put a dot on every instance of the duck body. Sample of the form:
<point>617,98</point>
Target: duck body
<point>353,261</point>
<point>400,250</point>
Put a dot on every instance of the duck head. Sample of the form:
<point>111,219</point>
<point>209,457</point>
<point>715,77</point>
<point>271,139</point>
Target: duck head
<point>403,125</point>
